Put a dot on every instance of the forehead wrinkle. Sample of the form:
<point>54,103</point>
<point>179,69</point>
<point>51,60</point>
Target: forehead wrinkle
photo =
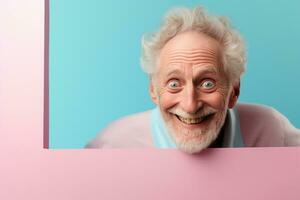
<point>210,55</point>
<point>195,57</point>
<point>193,51</point>
<point>204,54</point>
<point>190,55</point>
<point>194,60</point>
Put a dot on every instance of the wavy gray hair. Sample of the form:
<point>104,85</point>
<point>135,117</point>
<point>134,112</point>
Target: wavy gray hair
<point>183,19</point>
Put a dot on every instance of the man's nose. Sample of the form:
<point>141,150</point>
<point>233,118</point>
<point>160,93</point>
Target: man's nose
<point>191,102</point>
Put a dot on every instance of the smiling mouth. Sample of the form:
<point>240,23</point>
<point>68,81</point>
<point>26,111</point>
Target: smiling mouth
<point>191,121</point>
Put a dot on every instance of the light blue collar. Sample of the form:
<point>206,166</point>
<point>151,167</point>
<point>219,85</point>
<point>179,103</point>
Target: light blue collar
<point>161,137</point>
<point>232,131</point>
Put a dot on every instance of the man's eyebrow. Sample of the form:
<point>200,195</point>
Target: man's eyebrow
<point>207,70</point>
<point>173,72</point>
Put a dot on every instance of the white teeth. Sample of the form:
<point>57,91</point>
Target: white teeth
<point>191,120</point>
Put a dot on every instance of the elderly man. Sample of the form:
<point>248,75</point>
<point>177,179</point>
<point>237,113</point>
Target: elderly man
<point>195,62</point>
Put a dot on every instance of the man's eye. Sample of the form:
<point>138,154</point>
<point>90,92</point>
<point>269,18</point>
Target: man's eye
<point>208,84</point>
<point>173,84</point>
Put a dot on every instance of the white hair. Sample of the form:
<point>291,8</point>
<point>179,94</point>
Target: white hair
<point>180,20</point>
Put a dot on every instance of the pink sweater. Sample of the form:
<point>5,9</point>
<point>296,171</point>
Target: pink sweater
<point>261,126</point>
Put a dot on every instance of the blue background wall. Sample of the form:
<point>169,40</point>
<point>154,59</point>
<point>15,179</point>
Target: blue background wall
<point>95,75</point>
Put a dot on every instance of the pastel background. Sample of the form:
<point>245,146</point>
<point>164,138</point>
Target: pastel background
<point>95,74</point>
<point>28,171</point>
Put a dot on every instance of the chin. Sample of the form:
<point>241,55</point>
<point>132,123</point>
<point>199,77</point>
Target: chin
<point>197,144</point>
<point>193,138</point>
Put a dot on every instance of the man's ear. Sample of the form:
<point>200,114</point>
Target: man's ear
<point>152,92</point>
<point>235,93</point>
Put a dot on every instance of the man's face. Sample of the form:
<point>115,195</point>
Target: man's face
<point>191,90</point>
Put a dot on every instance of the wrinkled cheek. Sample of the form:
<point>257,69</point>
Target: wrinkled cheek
<point>168,100</point>
<point>216,101</point>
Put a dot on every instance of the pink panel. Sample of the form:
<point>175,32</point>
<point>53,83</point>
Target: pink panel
<point>28,171</point>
